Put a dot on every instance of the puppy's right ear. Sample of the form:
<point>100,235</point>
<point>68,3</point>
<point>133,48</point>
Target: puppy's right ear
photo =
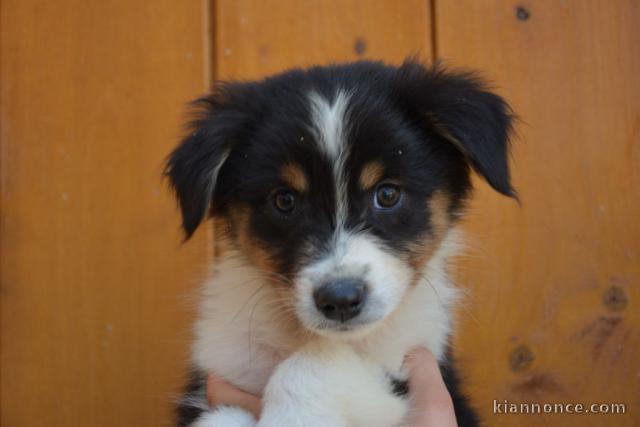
<point>194,166</point>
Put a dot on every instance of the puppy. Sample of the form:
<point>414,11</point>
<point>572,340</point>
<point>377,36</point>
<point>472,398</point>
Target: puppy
<point>334,193</point>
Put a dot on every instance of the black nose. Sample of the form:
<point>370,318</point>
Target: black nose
<point>340,300</point>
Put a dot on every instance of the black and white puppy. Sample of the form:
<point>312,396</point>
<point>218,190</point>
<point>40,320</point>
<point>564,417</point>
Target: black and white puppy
<point>334,193</point>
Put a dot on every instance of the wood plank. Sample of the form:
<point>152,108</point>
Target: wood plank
<point>260,37</point>
<point>553,313</point>
<point>94,280</point>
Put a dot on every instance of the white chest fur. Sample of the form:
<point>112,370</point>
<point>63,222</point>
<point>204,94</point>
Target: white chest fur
<point>241,333</point>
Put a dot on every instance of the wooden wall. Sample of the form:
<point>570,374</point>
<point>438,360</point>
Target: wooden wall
<point>554,281</point>
<point>96,286</point>
<point>94,278</point>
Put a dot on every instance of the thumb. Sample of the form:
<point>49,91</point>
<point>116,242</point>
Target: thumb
<point>432,404</point>
<point>220,392</point>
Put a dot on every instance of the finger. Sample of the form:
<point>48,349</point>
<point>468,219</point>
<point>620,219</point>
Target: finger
<point>220,392</point>
<point>432,404</point>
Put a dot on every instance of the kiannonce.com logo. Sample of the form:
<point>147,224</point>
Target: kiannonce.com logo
<point>533,408</point>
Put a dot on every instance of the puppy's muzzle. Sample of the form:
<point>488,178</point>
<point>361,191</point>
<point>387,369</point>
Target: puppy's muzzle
<point>341,299</point>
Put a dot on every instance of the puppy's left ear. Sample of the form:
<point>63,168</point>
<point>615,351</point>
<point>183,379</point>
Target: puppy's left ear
<point>459,108</point>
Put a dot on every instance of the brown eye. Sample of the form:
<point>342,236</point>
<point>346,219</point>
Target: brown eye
<point>284,201</point>
<point>387,196</point>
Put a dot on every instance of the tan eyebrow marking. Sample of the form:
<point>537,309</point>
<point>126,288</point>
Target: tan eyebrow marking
<point>255,250</point>
<point>293,175</point>
<point>371,173</point>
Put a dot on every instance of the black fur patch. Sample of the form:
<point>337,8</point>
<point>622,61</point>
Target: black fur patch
<point>193,400</point>
<point>400,387</point>
<point>465,414</point>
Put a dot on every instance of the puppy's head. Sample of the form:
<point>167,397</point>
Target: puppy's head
<point>339,183</point>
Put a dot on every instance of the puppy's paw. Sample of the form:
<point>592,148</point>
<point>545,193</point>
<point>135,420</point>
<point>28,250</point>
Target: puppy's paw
<point>225,416</point>
<point>327,384</point>
<point>300,417</point>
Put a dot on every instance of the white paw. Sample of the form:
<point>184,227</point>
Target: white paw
<point>225,416</point>
<point>327,384</point>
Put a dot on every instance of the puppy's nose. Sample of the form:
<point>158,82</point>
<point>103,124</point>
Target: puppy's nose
<point>341,299</point>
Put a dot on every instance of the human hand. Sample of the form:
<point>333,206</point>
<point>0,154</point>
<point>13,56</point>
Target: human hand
<point>432,404</point>
<point>220,392</point>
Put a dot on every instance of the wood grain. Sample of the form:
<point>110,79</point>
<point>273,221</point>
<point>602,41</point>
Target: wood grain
<point>255,38</point>
<point>94,280</point>
<point>553,283</point>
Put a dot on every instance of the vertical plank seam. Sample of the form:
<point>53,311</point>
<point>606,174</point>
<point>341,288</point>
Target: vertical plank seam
<point>434,30</point>
<point>208,41</point>
<point>2,157</point>
<point>211,75</point>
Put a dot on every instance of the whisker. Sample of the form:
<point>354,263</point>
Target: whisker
<point>250,325</point>
<point>253,294</point>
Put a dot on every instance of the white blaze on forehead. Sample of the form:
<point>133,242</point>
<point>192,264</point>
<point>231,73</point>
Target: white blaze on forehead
<point>329,121</point>
<point>329,127</point>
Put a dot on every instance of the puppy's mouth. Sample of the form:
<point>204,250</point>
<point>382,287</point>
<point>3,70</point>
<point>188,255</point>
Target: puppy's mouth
<point>337,330</point>
<point>346,329</point>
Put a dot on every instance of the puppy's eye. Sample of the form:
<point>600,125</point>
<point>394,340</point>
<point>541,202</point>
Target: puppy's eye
<point>284,201</point>
<point>387,196</point>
